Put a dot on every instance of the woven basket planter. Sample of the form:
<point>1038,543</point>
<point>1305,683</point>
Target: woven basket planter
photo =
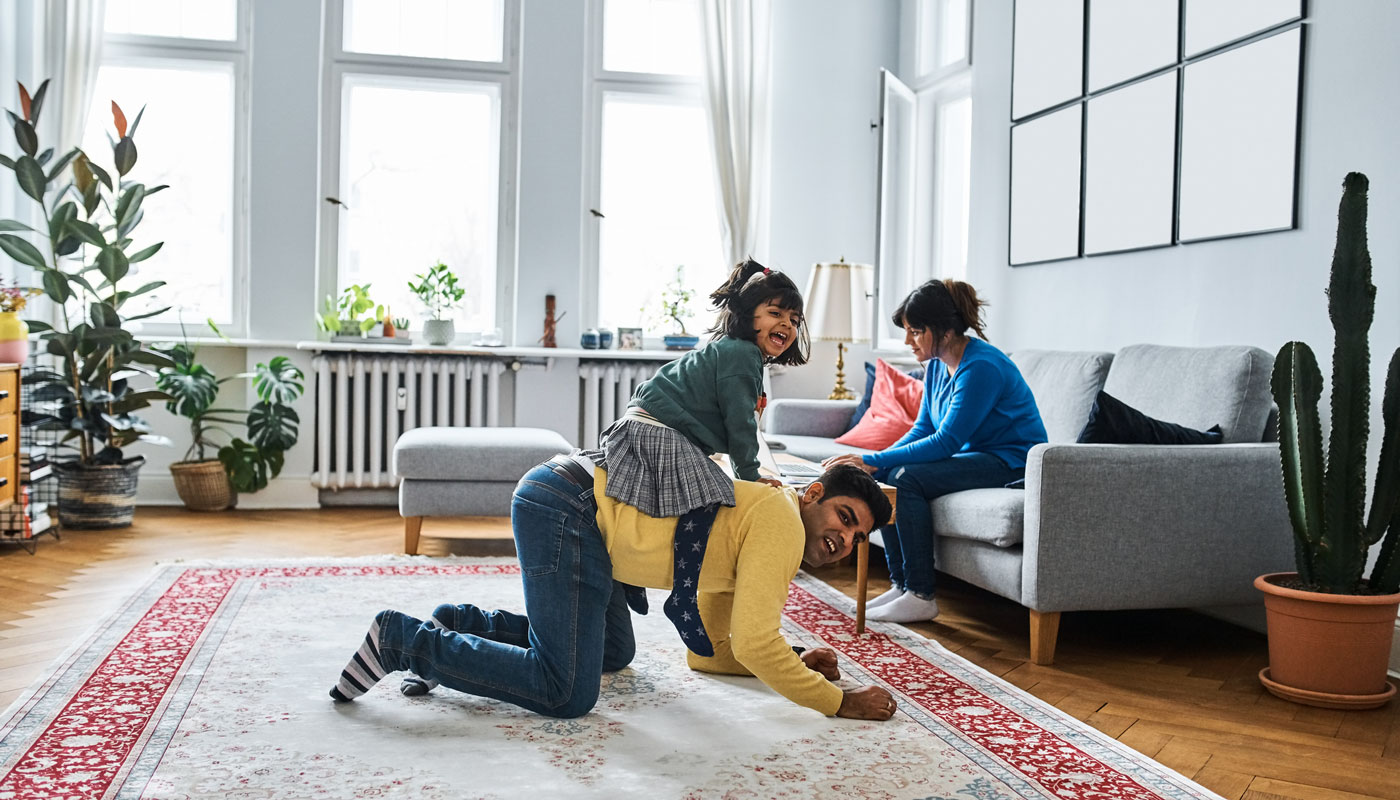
<point>97,497</point>
<point>203,485</point>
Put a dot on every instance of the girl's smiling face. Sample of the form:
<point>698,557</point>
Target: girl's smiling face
<point>775,328</point>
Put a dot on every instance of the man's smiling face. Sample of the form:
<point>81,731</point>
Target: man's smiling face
<point>833,525</point>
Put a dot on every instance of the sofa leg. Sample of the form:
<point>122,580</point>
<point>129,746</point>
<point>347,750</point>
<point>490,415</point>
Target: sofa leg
<point>412,526</point>
<point>1045,627</point>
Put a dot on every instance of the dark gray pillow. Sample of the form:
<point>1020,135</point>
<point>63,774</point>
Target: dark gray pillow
<point>1111,421</point>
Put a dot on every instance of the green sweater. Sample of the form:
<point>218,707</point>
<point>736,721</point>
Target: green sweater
<point>710,395</point>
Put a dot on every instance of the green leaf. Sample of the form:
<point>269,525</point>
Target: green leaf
<point>142,255</point>
<point>101,175</point>
<point>7,161</point>
<point>148,314</point>
<point>39,326</point>
<point>125,155</point>
<point>62,162</point>
<point>272,426</point>
<point>21,250</point>
<point>279,381</point>
<point>88,232</point>
<point>43,158</point>
<point>25,136</point>
<point>129,203</point>
<point>131,131</point>
<point>91,198</point>
<point>113,264</point>
<point>128,225</point>
<point>104,316</point>
<point>68,245</point>
<point>56,287</point>
<point>36,104</point>
<point>12,225</point>
<point>31,177</point>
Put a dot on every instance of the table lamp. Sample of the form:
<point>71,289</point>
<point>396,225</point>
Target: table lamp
<point>838,310</point>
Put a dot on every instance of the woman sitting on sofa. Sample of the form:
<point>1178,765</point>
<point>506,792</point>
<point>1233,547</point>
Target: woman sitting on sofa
<point>976,425</point>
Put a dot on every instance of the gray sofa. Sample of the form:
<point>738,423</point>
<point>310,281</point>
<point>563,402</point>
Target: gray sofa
<point>1102,527</point>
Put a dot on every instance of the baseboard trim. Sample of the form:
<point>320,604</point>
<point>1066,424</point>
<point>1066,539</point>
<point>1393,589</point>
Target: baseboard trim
<point>285,492</point>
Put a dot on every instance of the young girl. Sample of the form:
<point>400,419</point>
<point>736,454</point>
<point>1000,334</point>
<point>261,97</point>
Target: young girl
<point>706,402</point>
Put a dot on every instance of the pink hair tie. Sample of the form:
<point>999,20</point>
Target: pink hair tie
<point>767,271</point>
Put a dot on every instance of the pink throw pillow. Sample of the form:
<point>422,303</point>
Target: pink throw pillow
<point>894,405</point>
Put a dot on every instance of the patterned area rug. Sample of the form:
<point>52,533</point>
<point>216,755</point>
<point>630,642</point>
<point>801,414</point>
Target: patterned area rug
<point>210,682</point>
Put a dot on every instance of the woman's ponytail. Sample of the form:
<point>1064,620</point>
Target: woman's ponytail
<point>968,304</point>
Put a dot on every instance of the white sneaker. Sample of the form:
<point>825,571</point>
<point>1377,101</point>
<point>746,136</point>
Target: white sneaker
<point>908,607</point>
<point>891,594</point>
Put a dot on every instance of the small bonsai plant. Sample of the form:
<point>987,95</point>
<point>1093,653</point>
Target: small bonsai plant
<point>1326,500</point>
<point>675,304</point>
<point>343,316</point>
<point>438,291</point>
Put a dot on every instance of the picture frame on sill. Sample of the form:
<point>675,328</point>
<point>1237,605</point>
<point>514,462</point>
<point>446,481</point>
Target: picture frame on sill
<point>629,339</point>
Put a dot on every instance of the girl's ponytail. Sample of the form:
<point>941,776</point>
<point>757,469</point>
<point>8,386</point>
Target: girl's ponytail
<point>727,294</point>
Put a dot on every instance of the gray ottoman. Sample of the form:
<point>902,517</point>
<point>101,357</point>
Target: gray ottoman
<point>465,472</point>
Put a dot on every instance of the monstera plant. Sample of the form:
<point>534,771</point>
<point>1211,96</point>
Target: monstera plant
<point>1313,612</point>
<point>83,254</point>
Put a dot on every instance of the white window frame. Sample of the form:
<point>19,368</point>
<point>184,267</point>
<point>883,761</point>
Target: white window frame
<point>124,49</point>
<point>932,91</point>
<point>504,74</point>
<point>646,86</point>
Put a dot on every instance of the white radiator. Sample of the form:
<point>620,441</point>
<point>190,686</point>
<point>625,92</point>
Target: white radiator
<point>605,388</point>
<point>364,402</point>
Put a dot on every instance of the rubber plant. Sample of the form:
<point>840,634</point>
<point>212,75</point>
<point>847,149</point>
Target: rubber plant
<point>83,256</point>
<point>1326,499</point>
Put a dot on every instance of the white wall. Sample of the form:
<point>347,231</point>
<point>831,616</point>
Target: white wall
<point>827,56</point>
<point>1259,290</point>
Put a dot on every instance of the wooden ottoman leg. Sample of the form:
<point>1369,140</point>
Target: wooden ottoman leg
<point>1045,628</point>
<point>411,528</point>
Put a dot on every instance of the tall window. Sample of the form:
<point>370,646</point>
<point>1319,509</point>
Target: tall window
<point>651,175</point>
<point>926,159</point>
<point>418,95</point>
<point>186,64</point>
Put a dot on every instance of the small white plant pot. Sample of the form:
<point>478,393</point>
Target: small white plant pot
<point>439,331</point>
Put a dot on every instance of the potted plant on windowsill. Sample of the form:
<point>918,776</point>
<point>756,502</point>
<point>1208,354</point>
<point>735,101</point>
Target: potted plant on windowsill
<point>438,291</point>
<point>87,236</point>
<point>1330,630</point>
<point>213,484</point>
<point>341,318</point>
<point>675,310</point>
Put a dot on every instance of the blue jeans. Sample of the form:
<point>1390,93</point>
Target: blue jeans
<point>909,541</point>
<point>576,623</point>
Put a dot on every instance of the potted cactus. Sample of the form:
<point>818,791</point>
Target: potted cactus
<point>1329,629</point>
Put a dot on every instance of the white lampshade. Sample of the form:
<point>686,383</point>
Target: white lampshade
<point>838,302</point>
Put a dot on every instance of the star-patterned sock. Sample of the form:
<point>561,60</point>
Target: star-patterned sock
<point>365,668</point>
<point>692,534</point>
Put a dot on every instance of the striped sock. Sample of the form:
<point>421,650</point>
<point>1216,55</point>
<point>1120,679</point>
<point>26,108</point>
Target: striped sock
<point>414,686</point>
<point>365,668</point>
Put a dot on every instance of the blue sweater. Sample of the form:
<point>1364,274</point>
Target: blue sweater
<point>985,406</point>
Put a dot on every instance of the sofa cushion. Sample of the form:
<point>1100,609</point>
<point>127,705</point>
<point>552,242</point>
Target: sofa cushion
<point>994,516</point>
<point>1065,384</point>
<point>474,454</point>
<point>1111,421</point>
<point>917,373</point>
<point>894,405</point>
<point>812,448</point>
<point>1197,386</point>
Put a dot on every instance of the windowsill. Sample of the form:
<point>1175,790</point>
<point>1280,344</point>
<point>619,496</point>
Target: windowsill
<point>369,346</point>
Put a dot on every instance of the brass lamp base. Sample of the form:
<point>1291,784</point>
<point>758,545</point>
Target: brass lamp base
<point>839,391</point>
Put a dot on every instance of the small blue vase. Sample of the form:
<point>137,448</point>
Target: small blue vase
<point>589,340</point>
<point>605,339</point>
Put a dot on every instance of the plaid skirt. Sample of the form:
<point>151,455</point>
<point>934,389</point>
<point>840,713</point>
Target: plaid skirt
<point>658,471</point>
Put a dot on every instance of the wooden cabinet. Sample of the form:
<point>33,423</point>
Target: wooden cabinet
<point>9,433</point>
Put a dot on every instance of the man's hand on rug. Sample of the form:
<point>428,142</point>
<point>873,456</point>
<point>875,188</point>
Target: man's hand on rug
<point>867,702</point>
<point>823,660</point>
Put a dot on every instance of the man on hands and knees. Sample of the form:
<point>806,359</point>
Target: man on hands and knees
<point>729,586</point>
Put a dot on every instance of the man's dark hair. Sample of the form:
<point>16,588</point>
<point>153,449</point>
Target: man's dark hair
<point>847,480</point>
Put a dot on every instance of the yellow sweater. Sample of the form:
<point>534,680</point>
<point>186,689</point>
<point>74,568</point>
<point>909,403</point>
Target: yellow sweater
<point>753,553</point>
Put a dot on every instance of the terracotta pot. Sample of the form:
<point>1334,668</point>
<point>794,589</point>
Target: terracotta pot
<point>1327,650</point>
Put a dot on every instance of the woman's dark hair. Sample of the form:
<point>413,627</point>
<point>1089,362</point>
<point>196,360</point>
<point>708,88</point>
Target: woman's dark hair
<point>848,480</point>
<point>751,285</point>
<point>940,306</point>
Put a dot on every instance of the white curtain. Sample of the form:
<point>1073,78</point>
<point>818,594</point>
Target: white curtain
<point>72,58</point>
<point>738,57</point>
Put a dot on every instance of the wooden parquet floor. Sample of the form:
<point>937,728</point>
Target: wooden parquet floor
<point>1174,685</point>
